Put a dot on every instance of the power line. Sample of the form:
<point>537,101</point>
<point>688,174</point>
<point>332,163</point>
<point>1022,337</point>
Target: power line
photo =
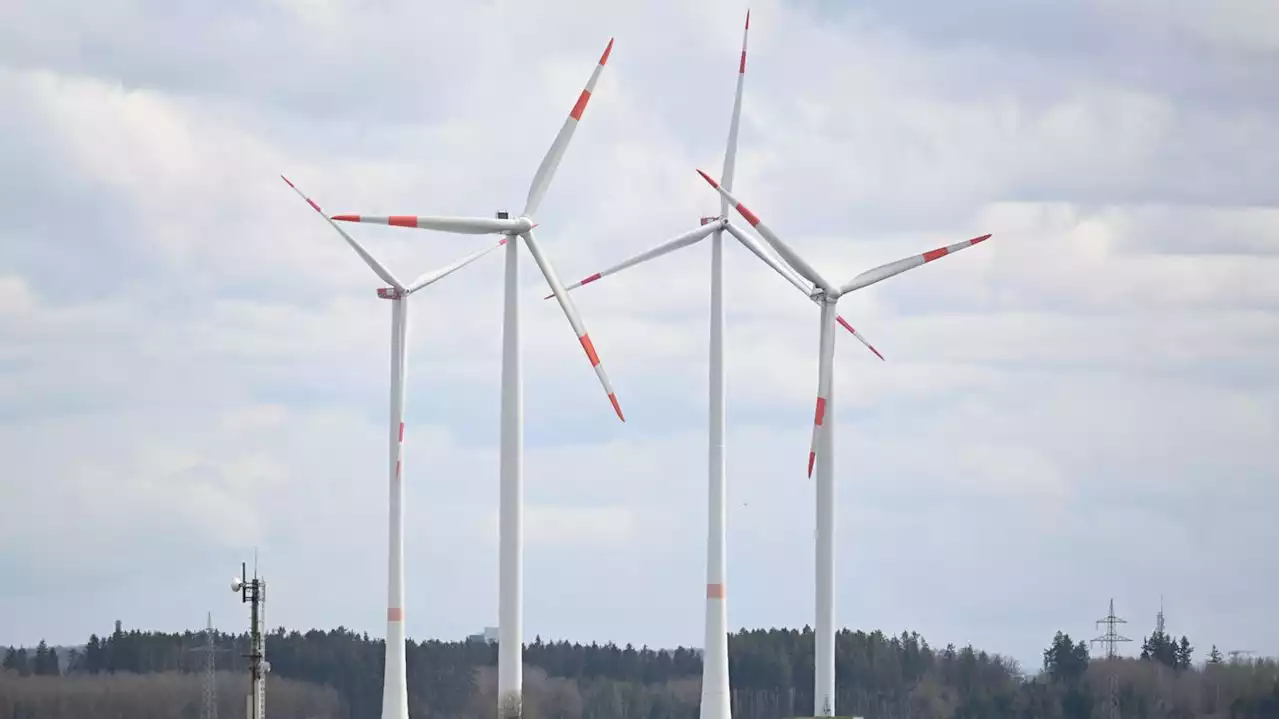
<point>1109,640</point>
<point>209,710</point>
<point>209,704</point>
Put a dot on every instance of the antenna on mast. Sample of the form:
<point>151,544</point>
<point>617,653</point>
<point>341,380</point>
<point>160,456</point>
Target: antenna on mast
<point>254,592</point>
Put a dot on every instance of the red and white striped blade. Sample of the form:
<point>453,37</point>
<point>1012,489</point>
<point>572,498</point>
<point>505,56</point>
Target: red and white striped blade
<point>804,268</point>
<point>667,247</point>
<point>826,368</point>
<point>770,259</point>
<point>547,170</point>
<point>884,272</point>
<point>819,414</point>
<point>369,260</point>
<point>845,324</point>
<point>458,225</point>
<point>731,149</point>
<point>436,275</point>
<point>575,321</point>
<point>790,276</point>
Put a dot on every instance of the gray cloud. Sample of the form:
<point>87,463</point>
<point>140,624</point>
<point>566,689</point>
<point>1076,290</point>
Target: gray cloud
<point>192,364</point>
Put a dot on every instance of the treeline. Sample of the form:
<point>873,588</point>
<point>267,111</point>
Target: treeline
<point>338,674</point>
<point>1162,682</point>
<point>43,663</point>
<point>167,695</point>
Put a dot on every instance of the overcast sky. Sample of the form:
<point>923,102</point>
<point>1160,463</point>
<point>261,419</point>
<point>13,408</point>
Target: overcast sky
<point>192,364</point>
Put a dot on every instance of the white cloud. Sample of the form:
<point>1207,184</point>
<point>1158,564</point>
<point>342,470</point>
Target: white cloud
<point>573,526</point>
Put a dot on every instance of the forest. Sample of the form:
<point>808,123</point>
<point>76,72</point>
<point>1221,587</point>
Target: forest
<point>336,674</point>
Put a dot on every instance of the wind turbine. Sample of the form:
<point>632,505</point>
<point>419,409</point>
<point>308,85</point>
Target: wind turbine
<point>395,696</point>
<point>511,509</point>
<point>822,446</point>
<point>715,663</point>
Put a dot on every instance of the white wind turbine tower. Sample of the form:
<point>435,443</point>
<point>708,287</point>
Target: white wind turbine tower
<point>715,663</point>
<point>822,447</point>
<point>395,696</point>
<point>511,509</point>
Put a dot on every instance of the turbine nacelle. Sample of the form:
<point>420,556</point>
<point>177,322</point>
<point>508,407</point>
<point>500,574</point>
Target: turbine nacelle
<point>526,223</point>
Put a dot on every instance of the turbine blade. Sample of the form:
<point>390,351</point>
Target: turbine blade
<point>845,324</point>
<point>789,275</point>
<point>731,149</point>
<point>669,246</point>
<point>769,259</point>
<point>818,414</point>
<point>547,170</point>
<point>571,313</point>
<point>459,225</point>
<point>788,254</point>
<point>431,277</point>
<point>369,260</point>
<point>826,367</point>
<point>884,272</point>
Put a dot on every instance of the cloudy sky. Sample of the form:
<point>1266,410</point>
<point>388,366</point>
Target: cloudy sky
<point>193,365</point>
